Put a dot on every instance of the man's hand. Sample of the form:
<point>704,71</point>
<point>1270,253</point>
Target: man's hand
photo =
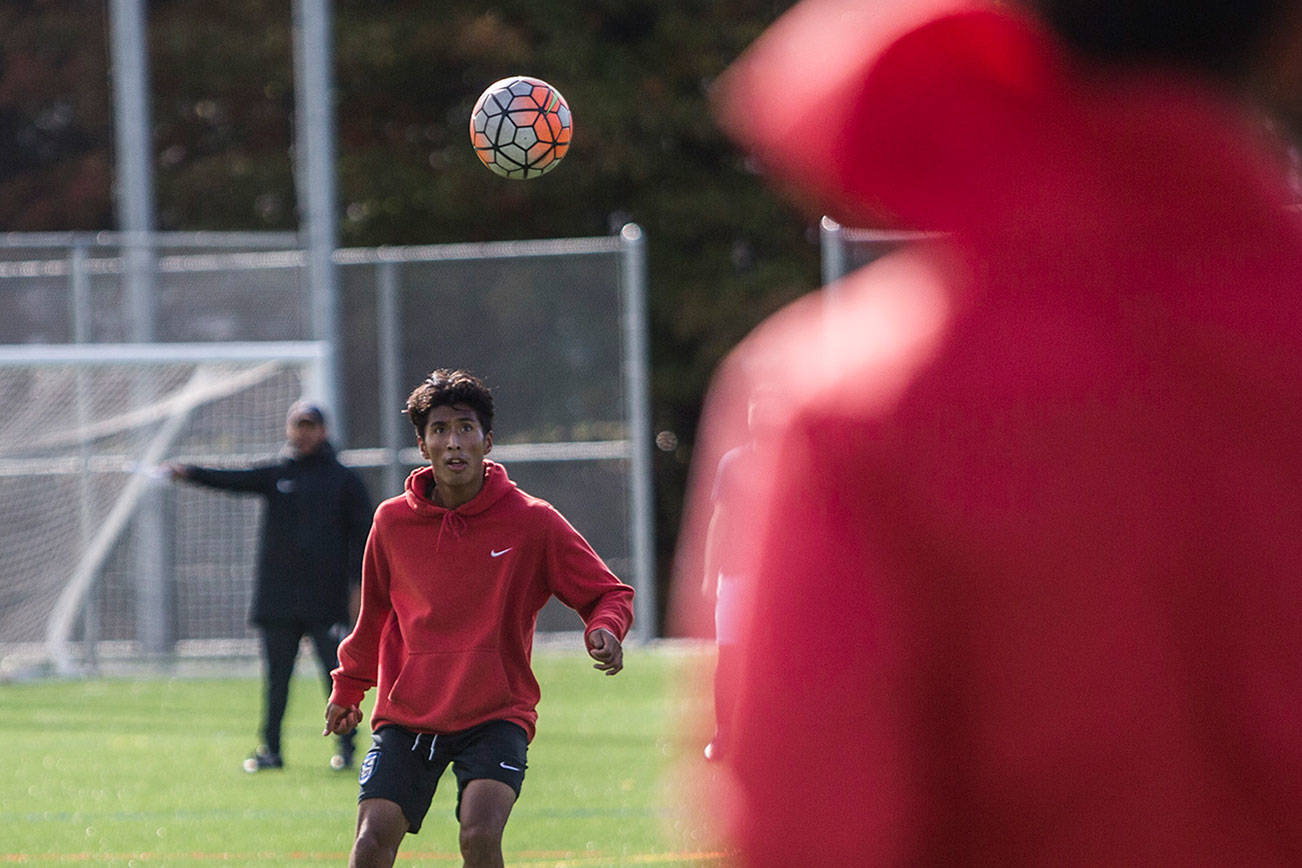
<point>341,719</point>
<point>606,650</point>
<point>173,470</point>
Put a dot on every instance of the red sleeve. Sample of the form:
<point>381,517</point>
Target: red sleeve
<point>580,579</point>
<point>359,652</point>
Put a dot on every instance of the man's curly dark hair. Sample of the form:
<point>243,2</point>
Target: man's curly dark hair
<point>444,388</point>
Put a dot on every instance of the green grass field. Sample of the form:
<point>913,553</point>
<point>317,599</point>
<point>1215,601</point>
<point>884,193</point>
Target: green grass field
<point>147,772</point>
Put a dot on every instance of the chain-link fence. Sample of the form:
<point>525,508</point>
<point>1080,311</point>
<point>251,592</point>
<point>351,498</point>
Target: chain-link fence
<point>556,328</point>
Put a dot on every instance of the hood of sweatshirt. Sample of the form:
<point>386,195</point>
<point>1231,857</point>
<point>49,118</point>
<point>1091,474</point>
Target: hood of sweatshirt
<point>898,113</point>
<point>948,115</point>
<point>496,486</point>
<point>454,521</point>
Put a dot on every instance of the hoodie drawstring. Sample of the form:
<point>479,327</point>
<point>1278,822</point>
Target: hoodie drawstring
<point>453,522</point>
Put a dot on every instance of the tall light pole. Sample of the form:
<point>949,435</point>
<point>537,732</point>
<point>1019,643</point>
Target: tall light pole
<point>134,158</point>
<point>314,176</point>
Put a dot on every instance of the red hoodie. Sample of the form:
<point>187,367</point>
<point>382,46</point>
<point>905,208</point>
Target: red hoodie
<point>450,598</point>
<point>1027,578</point>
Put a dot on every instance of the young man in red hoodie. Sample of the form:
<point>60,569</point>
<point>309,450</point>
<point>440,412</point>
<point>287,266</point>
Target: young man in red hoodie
<point>455,572</point>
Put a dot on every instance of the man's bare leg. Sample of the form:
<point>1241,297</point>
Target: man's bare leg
<point>485,806</point>
<point>380,827</point>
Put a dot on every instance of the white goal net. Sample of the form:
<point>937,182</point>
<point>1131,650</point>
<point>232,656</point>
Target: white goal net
<point>100,553</point>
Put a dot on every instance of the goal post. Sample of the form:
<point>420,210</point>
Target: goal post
<point>85,429</point>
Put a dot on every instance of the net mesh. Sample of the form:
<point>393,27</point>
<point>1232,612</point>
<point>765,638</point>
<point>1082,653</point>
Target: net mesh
<point>93,535</point>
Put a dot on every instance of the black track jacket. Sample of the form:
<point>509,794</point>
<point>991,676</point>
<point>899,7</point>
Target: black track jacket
<point>314,529</point>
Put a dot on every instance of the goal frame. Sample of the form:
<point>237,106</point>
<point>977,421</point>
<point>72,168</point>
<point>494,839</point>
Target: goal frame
<point>169,416</point>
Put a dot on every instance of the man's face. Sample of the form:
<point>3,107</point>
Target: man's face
<point>305,435</point>
<point>454,443</point>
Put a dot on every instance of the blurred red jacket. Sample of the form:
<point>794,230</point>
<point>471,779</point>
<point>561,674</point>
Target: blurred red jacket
<point>1028,572</point>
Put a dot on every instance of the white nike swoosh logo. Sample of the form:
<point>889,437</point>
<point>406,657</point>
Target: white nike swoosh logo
<point>497,554</point>
<point>512,768</point>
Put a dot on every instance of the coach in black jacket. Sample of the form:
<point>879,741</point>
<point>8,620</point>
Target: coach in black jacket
<point>314,529</point>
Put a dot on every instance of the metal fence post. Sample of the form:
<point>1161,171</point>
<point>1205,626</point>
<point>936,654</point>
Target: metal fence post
<point>637,386</point>
<point>832,248</point>
<point>81,310</point>
<point>314,176</point>
<point>389,343</point>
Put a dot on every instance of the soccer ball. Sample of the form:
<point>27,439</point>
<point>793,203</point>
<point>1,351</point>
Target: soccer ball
<point>521,127</point>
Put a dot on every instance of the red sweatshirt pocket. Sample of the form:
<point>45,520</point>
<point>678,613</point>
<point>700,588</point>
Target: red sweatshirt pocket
<point>446,688</point>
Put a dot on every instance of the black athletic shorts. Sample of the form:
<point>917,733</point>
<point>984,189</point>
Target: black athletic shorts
<point>404,766</point>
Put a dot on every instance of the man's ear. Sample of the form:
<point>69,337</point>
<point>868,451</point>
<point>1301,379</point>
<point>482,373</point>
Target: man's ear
<point>488,442</point>
<point>420,444</point>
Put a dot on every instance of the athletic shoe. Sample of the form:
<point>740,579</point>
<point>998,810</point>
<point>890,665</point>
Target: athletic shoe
<point>263,759</point>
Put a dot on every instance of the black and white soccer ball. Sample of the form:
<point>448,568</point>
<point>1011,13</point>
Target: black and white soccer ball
<point>521,127</point>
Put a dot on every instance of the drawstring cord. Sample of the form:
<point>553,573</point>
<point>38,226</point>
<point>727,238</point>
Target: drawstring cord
<point>433,740</point>
<point>453,522</point>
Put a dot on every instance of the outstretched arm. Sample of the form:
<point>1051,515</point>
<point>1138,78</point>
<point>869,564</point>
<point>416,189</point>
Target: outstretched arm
<point>260,479</point>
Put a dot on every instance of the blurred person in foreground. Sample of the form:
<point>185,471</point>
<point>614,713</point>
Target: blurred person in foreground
<point>456,570</point>
<point>728,557</point>
<point>314,528</point>
<point>1029,582</point>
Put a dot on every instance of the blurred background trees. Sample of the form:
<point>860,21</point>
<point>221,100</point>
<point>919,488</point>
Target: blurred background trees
<point>723,250</point>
